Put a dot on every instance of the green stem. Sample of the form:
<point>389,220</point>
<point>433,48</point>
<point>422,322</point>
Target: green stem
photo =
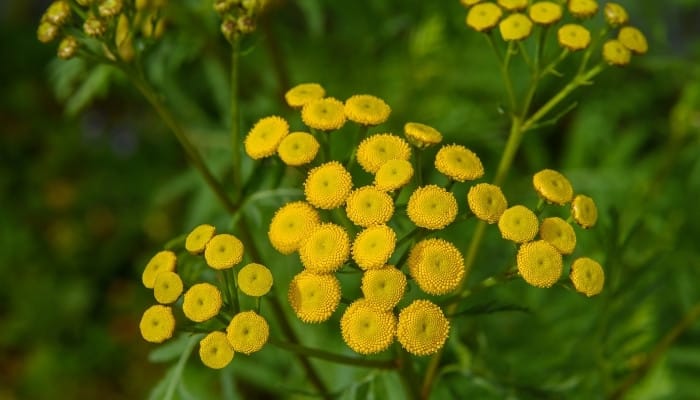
<point>332,357</point>
<point>407,374</point>
<point>359,136</point>
<point>419,170</point>
<point>235,115</point>
<point>506,77</point>
<point>180,366</point>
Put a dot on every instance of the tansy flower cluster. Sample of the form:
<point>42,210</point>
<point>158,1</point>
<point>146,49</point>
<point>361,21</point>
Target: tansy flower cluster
<point>203,305</point>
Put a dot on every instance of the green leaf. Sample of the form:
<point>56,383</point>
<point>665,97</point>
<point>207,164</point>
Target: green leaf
<point>169,351</point>
<point>491,307</point>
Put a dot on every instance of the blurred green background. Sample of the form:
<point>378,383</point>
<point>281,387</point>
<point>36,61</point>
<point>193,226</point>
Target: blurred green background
<point>92,184</point>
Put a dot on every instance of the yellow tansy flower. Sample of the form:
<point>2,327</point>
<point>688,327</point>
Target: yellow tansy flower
<point>223,251</point>
<point>469,3</point>
<point>615,14</point>
<point>545,12</point>
<point>436,265</point>
<point>168,287</point>
<point>367,206</point>
<point>432,207</point>
<point>298,148</point>
<point>367,110</point>
<point>197,240</point>
<point>378,149</point>
<point>266,135</point>
<point>163,261</point>
<point>383,288</point>
<point>484,16</point>
<point>615,53</point>
<point>314,297</point>
<point>215,351</point>
<point>487,202</point>
<point>291,224</point>
<point>393,174</point>
<point>255,280</point>
<point>202,302</point>
<point>247,332</point>
<point>458,163</point>
<point>513,5</point>
<point>553,186</point>
<point>559,234</point>
<point>157,324</point>
<point>583,8</point>
<point>539,263</point>
<point>57,13</point>
<point>584,211</point>
<point>326,249</point>
<point>328,185</point>
<point>421,135</point>
<point>67,48</point>
<point>516,26</point>
<point>303,93</point>
<point>518,224</point>
<point>325,114</point>
<point>422,328</point>
<point>373,246</point>
<point>633,39</point>
<point>573,37</point>
<point>367,330</point>
<point>587,276</point>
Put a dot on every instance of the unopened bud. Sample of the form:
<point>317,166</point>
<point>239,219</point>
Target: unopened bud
<point>47,32</point>
<point>142,4</point>
<point>123,30</point>
<point>67,47</point>
<point>250,5</point>
<point>147,26</point>
<point>126,49</point>
<point>94,26</point>
<point>222,6</point>
<point>110,8</point>
<point>246,25</point>
<point>84,3</point>
<point>615,15</point>
<point>228,28</point>
<point>159,30</point>
<point>58,12</point>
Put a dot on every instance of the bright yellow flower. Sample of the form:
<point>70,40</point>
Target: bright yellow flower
<point>366,109</point>
<point>157,324</point>
<point>314,297</point>
<point>263,140</point>
<point>584,211</point>
<point>378,149</point>
<point>326,249</point>
<point>583,8</point>
<point>484,16</point>
<point>373,247</point>
<point>615,53</point>
<point>197,240</point>
<point>573,37</point>
<point>367,330</point>
<point>303,93</point>
<point>247,332</point>
<point>255,280</point>
<point>559,234</point>
<point>202,302</point>
<point>383,288</point>
<point>367,206</point>
<point>553,186</point>
<point>615,15</point>
<point>291,224</point>
<point>518,224</point>
<point>516,26</point>
<point>432,207</point>
<point>328,185</point>
<point>167,287</point>
<point>325,114</point>
<point>487,202</point>
<point>469,3</point>
<point>393,174</point>
<point>458,163</point>
<point>545,12</point>
<point>421,135</point>
<point>436,265</point>
<point>223,251</point>
<point>298,148</point>
<point>539,263</point>
<point>422,328</point>
<point>215,351</point>
<point>587,276</point>
<point>633,39</point>
<point>513,5</point>
<point>163,261</point>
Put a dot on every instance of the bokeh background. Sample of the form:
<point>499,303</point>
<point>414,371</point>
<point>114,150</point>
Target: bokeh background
<point>92,184</point>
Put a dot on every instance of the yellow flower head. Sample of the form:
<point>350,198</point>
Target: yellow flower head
<point>432,207</point>
<point>573,37</point>
<point>328,185</point>
<point>518,224</point>
<point>378,149</point>
<point>436,265</point>
<point>367,206</point>
<point>421,135</point>
<point>633,39</point>
<point>469,3</point>
<point>292,224</point>
<point>615,53</point>
<point>587,276</point>
<point>314,297</point>
<point>223,251</point>
<point>393,174</point>
<point>422,328</point>
<point>326,249</point>
<point>559,234</point>
<point>584,211</point>
<point>255,280</point>
<point>263,140</point>
<point>197,240</point>
<point>483,17</point>
<point>583,8</point>
<point>157,324</point>
<point>615,15</point>
<point>539,263</point>
<point>487,202</point>
<point>373,247</point>
<point>516,26</point>
<point>58,12</point>
<point>247,332</point>
<point>47,32</point>
<point>513,5</point>
<point>168,287</point>
<point>298,148</point>
<point>367,110</point>
<point>367,330</point>
<point>303,93</point>
<point>383,288</point>
<point>553,186</point>
<point>215,351</point>
<point>163,261</point>
<point>545,12</point>
<point>202,302</point>
<point>458,163</point>
<point>325,114</point>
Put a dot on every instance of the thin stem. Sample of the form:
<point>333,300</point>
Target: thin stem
<point>235,115</point>
<point>359,136</point>
<point>180,366</point>
<point>506,77</point>
<point>332,357</point>
<point>407,374</point>
<point>419,170</point>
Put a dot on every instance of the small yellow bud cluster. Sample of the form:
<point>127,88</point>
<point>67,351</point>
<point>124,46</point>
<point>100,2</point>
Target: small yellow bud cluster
<point>239,16</point>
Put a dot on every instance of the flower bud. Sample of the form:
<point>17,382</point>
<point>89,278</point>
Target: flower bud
<point>250,5</point>
<point>142,4</point>
<point>84,3</point>
<point>246,25</point>
<point>94,26</point>
<point>47,32</point>
<point>58,12</point>
<point>126,49</point>
<point>110,8</point>
<point>222,6</point>
<point>229,28</point>
<point>615,15</point>
<point>123,28</point>
<point>160,28</point>
<point>67,47</point>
